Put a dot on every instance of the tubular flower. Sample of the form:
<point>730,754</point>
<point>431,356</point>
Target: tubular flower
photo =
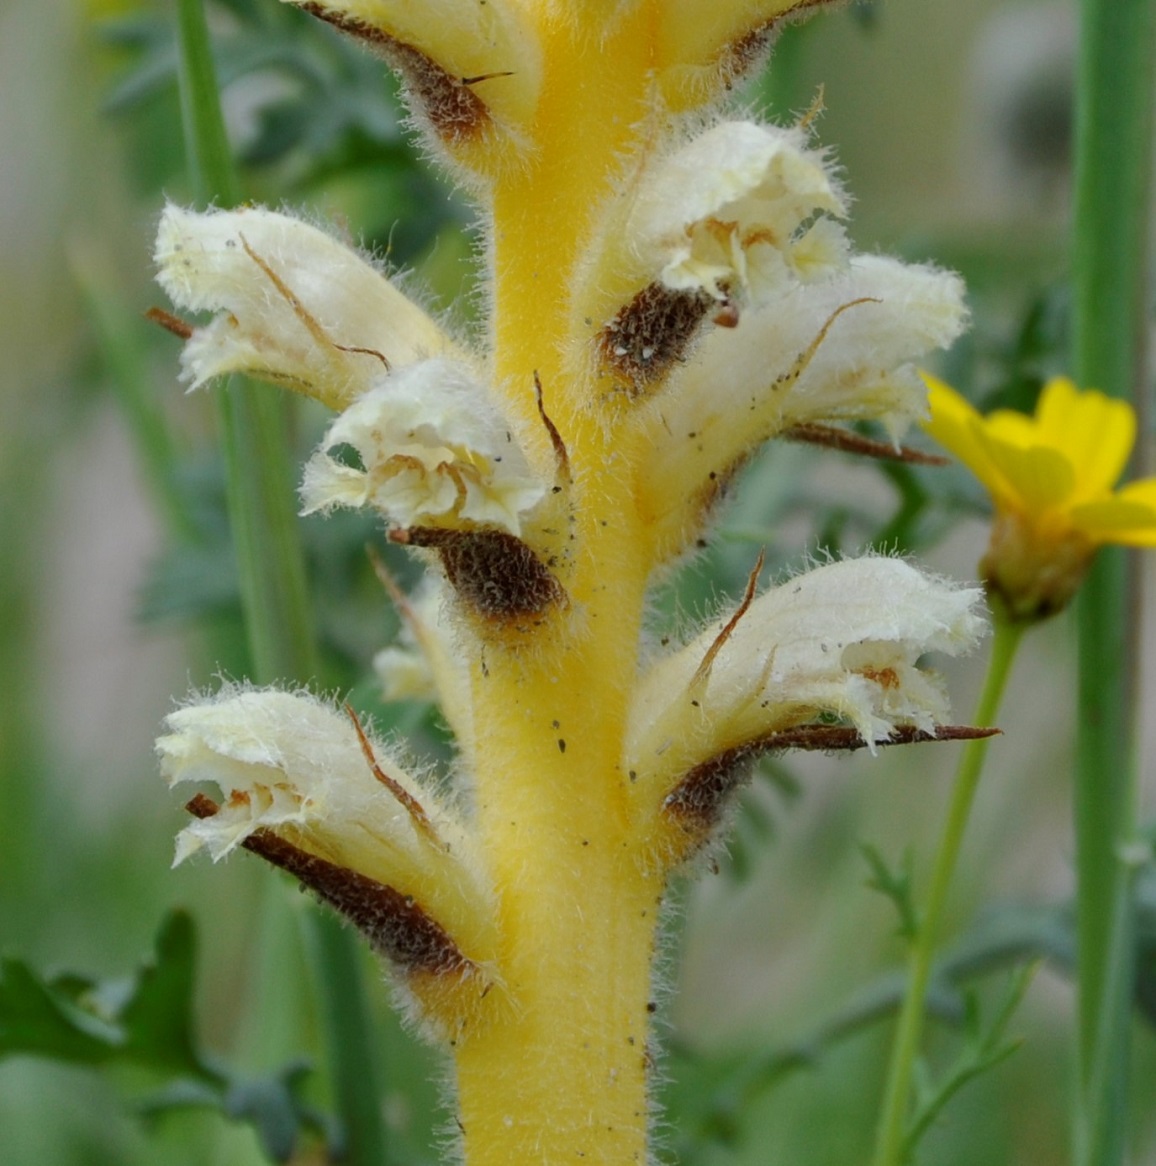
<point>667,290</point>
<point>306,788</point>
<point>841,643</point>
<point>1051,478</point>
<point>736,218</point>
<point>842,349</point>
<point>295,306</point>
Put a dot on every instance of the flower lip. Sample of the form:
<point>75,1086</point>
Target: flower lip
<point>733,213</point>
<point>841,349</point>
<point>281,759</point>
<point>434,449</point>
<point>842,640</point>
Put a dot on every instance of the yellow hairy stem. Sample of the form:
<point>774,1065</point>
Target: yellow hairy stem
<point>558,1069</point>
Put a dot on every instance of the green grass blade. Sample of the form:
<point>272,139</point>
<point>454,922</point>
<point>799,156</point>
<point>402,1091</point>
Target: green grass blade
<point>1113,167</point>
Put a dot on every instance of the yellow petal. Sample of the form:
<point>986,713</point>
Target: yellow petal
<point>1143,491</point>
<point>1039,478</point>
<point>1014,428</point>
<point>956,426</point>
<point>1093,431</point>
<point>1128,517</point>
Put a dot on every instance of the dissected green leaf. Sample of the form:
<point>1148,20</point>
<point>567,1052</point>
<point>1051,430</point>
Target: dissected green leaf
<point>895,885</point>
<point>38,1020</point>
<point>158,1018</point>
<point>147,1020</point>
<point>272,1105</point>
<point>711,1093</point>
<point>985,1046</point>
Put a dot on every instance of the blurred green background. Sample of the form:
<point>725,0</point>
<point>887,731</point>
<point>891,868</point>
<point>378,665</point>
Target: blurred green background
<point>951,120</point>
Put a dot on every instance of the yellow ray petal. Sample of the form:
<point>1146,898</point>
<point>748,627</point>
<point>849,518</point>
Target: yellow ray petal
<point>1014,428</point>
<point>1039,478</point>
<point>1094,431</point>
<point>1128,518</point>
<point>956,426</point>
<point>1117,520</point>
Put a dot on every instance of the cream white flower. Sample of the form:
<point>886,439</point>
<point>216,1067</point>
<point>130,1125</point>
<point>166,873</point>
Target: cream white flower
<point>732,213</point>
<point>281,760</point>
<point>843,640</point>
<point>294,765</point>
<point>404,673</point>
<point>703,48</point>
<point>295,306</point>
<point>839,350</point>
<point>864,366</point>
<point>434,449</point>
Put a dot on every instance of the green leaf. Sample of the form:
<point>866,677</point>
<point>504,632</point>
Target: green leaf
<point>158,1018</point>
<point>985,1047</point>
<point>146,1020</point>
<point>38,1020</point>
<point>895,885</point>
<point>711,1093</point>
<point>271,1105</point>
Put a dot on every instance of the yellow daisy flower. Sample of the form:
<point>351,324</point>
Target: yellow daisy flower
<point>1051,477</point>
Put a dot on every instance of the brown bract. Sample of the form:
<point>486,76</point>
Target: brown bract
<point>495,574</point>
<point>697,802</point>
<point>395,925</point>
<point>457,114</point>
<point>650,334</point>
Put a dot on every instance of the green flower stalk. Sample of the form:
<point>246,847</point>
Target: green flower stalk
<point>1052,480</point>
<point>667,290</point>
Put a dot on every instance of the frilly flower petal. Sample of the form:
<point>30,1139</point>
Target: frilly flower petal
<point>296,306</point>
<point>280,759</point>
<point>725,214</point>
<point>434,449</point>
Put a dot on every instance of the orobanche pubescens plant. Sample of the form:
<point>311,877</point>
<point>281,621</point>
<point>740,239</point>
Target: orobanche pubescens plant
<point>666,291</point>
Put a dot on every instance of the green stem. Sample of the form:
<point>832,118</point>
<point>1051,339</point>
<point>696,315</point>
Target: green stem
<point>210,160</point>
<point>274,592</point>
<point>890,1148</point>
<point>337,965</point>
<point>254,420</point>
<point>1110,253</point>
